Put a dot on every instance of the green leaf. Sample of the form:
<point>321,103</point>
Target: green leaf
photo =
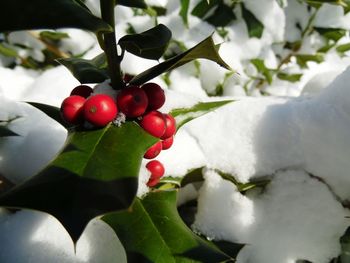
<point>150,44</point>
<point>343,48</point>
<point>87,70</point>
<point>51,111</point>
<point>7,51</point>
<point>318,3</point>
<point>260,66</point>
<point>203,7</point>
<point>205,49</point>
<point>184,115</point>
<point>133,3</point>
<point>184,11</point>
<point>345,246</point>
<point>289,77</point>
<point>222,16</point>
<point>53,36</point>
<point>302,59</point>
<point>6,132</point>
<point>96,173</point>
<point>153,231</point>
<point>255,27</point>
<point>331,33</point>
<point>43,14</point>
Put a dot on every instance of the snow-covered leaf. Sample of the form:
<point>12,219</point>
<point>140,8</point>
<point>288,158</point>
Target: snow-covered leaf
<point>152,231</point>
<point>302,59</point>
<point>255,27</point>
<point>205,49</point>
<point>260,66</point>
<point>95,173</point>
<point>184,115</point>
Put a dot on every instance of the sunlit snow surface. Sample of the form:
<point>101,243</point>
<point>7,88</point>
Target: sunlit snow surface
<point>300,142</point>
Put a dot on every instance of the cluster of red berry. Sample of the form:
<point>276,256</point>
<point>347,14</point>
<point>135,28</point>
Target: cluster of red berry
<point>137,102</point>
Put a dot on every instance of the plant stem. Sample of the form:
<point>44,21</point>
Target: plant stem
<point>110,45</point>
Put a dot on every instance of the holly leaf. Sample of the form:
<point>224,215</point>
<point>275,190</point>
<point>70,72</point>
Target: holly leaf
<point>87,70</point>
<point>260,66</point>
<point>184,115</point>
<point>205,49</point>
<point>289,77</point>
<point>43,14</point>
<point>150,44</point>
<point>8,51</point>
<point>331,33</point>
<point>302,59</point>
<point>51,111</point>
<point>95,173</point>
<point>6,132</point>
<point>152,231</point>
<point>255,27</point>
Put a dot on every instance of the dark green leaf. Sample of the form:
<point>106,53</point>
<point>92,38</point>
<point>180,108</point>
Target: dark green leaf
<point>51,111</point>
<point>320,2</point>
<point>255,27</point>
<point>53,36</point>
<point>289,77</point>
<point>205,49</point>
<point>43,14</point>
<point>231,249</point>
<point>343,48</point>
<point>260,66</point>
<point>203,7</point>
<point>194,176</point>
<point>6,132</point>
<point>222,16</point>
<point>150,44</point>
<point>96,173</point>
<point>87,70</point>
<point>152,231</point>
<point>345,247</point>
<point>133,3</point>
<point>331,33</point>
<point>184,115</point>
<point>7,51</point>
<point>184,11</point>
<point>326,48</point>
<point>302,59</point>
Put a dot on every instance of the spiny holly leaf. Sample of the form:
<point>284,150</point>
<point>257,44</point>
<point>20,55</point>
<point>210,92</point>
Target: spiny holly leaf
<point>205,49</point>
<point>150,44</point>
<point>255,27</point>
<point>6,132</point>
<point>260,66</point>
<point>152,231</point>
<point>87,70</point>
<point>184,115</point>
<point>133,3</point>
<point>51,111</point>
<point>96,173</point>
<point>43,14</point>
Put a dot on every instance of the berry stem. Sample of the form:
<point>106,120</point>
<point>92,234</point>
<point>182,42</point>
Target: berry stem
<point>110,45</point>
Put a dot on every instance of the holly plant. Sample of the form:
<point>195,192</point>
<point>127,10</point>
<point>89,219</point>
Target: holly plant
<point>111,128</point>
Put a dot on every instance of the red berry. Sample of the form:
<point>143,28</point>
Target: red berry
<point>82,90</point>
<point>156,169</point>
<point>154,123</point>
<point>100,109</point>
<point>153,151</point>
<point>167,143</point>
<point>170,126</point>
<point>155,95</point>
<point>72,109</point>
<point>132,101</point>
<point>152,182</point>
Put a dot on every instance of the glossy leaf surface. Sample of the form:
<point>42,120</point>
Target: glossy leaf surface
<point>43,14</point>
<point>153,231</point>
<point>150,44</point>
<point>205,49</point>
<point>96,173</point>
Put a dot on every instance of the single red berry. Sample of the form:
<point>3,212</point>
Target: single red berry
<point>100,109</point>
<point>153,151</point>
<point>156,169</point>
<point>154,123</point>
<point>72,109</point>
<point>170,126</point>
<point>82,90</point>
<point>167,143</point>
<point>132,101</point>
<point>155,95</point>
<point>153,182</point>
